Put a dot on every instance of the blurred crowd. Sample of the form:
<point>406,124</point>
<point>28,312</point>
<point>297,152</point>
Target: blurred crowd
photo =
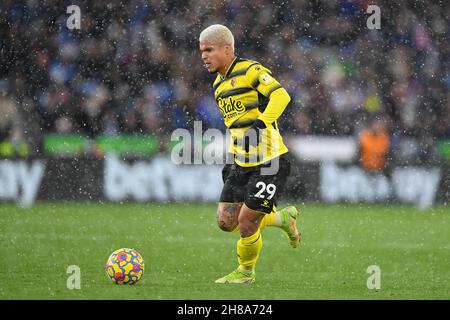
<point>134,66</point>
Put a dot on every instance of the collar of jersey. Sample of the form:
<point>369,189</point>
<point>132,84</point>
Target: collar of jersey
<point>230,68</point>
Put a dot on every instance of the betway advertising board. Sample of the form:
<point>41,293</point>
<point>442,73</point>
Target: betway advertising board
<point>158,179</point>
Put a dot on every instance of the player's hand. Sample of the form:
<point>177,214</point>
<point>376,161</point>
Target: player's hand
<point>253,135</point>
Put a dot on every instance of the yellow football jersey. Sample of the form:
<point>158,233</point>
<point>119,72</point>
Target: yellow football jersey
<point>242,96</point>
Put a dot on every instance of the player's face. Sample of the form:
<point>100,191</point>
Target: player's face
<point>213,56</point>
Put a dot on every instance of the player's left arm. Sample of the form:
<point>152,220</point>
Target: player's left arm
<point>262,80</point>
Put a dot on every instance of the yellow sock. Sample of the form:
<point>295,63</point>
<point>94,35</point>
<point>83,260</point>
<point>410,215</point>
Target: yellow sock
<point>248,250</point>
<point>270,220</point>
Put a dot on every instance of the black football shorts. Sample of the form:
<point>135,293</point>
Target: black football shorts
<point>257,189</point>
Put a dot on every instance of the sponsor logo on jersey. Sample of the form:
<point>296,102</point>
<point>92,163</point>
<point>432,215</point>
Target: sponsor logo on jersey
<point>230,107</point>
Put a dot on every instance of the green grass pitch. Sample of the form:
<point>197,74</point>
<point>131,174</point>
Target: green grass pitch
<point>185,252</point>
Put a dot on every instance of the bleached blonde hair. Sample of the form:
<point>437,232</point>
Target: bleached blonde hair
<point>217,33</point>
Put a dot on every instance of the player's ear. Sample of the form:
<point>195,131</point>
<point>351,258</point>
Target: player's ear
<point>228,50</point>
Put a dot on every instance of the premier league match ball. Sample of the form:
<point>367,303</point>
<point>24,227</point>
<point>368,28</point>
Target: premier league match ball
<point>125,266</point>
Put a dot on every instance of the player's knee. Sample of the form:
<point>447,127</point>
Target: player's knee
<point>227,216</point>
<point>224,222</point>
<point>226,226</point>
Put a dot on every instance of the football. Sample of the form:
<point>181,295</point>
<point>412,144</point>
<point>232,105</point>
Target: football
<point>125,266</point>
